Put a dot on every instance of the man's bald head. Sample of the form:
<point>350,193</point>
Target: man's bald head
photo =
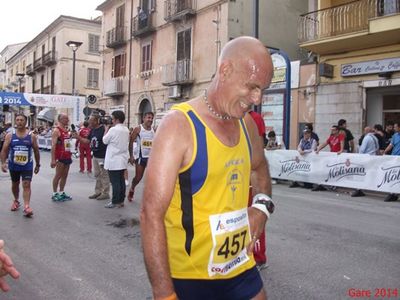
<point>63,119</point>
<point>249,54</point>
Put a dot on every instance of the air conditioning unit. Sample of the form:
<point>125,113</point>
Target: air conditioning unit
<point>326,70</point>
<point>174,91</point>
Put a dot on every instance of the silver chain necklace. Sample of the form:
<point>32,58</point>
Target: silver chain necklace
<point>219,116</point>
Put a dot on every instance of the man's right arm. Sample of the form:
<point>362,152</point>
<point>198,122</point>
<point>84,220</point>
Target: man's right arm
<point>173,140</point>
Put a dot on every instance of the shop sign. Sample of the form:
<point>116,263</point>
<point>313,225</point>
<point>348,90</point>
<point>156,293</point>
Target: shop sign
<point>371,67</point>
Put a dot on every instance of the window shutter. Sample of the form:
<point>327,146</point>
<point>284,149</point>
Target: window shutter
<point>96,78</point>
<point>113,67</point>
<point>151,55</point>
<point>88,78</point>
<point>123,56</point>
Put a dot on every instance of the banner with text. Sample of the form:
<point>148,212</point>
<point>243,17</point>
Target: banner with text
<point>57,101</point>
<point>358,171</point>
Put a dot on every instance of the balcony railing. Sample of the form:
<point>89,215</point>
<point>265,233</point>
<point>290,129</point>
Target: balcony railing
<point>38,64</point>
<point>49,58</point>
<point>178,73</point>
<point>29,70</point>
<point>142,24</point>
<point>343,19</point>
<point>116,37</point>
<point>114,87</point>
<point>176,9</point>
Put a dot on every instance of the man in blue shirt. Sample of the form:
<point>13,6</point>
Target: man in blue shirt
<point>394,146</point>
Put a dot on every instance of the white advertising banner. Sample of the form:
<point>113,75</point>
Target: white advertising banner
<point>357,171</point>
<point>76,103</point>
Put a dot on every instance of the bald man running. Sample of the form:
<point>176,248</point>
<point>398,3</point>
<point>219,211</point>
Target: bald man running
<point>197,232</point>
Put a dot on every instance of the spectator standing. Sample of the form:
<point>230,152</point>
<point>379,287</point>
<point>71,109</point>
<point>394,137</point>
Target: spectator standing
<point>84,149</point>
<point>336,144</point>
<point>117,156</point>
<point>260,246</point>
<point>260,125</point>
<point>307,143</point>
<point>379,134</point>
<point>394,147</point>
<point>349,138</point>
<point>314,136</point>
<point>387,135</point>
<point>274,143</point>
<point>95,140</point>
<point>369,145</point>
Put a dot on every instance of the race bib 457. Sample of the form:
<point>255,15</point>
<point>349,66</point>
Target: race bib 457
<point>230,233</point>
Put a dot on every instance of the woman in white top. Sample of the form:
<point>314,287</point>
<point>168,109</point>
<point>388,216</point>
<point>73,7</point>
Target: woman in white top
<point>117,156</point>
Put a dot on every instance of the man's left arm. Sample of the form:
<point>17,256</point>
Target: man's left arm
<point>260,181</point>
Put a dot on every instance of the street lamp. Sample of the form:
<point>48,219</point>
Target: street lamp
<point>73,45</point>
<point>20,77</point>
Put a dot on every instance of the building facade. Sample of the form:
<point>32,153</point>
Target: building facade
<point>45,64</point>
<point>357,47</point>
<point>5,54</point>
<point>158,53</point>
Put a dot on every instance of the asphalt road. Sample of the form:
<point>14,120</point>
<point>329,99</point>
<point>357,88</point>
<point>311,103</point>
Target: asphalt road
<point>320,244</point>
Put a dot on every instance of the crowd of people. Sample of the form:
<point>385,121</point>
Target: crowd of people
<point>374,141</point>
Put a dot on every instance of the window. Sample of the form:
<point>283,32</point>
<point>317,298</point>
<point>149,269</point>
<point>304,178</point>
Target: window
<point>93,78</point>
<point>184,45</point>
<point>41,84</point>
<point>43,50</point>
<point>147,5</point>
<point>94,42</point>
<point>52,80</point>
<point>53,44</point>
<point>120,16</point>
<point>118,65</point>
<point>146,57</point>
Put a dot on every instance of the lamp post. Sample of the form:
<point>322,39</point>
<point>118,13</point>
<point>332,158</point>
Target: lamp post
<point>73,45</point>
<point>20,77</point>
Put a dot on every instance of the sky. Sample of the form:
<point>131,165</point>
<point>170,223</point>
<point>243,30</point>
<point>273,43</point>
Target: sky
<point>22,20</point>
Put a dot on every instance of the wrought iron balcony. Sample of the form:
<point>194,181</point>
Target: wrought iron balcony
<point>178,73</point>
<point>49,58</point>
<point>143,24</point>
<point>177,9</point>
<point>114,87</point>
<point>29,70</point>
<point>38,64</point>
<point>116,37</point>
<point>344,19</point>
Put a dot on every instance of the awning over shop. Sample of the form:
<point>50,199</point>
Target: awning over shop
<point>47,114</point>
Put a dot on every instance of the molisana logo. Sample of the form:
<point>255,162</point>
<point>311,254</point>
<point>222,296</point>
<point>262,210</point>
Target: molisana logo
<point>340,170</point>
<point>294,165</point>
<point>391,176</point>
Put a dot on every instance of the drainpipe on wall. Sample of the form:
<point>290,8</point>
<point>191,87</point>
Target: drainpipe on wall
<point>130,67</point>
